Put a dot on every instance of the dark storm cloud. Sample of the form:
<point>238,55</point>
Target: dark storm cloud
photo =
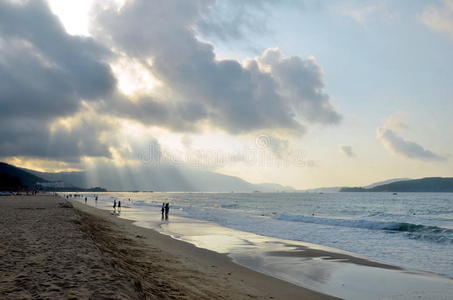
<point>43,70</point>
<point>232,96</point>
<point>406,148</point>
<point>176,116</point>
<point>44,74</point>
<point>31,137</point>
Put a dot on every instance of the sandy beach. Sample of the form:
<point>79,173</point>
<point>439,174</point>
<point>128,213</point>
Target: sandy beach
<point>50,250</point>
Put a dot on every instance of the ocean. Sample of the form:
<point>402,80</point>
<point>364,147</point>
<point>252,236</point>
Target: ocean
<point>410,230</point>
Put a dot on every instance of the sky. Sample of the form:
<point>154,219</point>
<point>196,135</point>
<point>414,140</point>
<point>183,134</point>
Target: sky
<point>302,93</point>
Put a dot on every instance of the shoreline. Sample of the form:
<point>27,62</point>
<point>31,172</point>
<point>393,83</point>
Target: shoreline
<point>379,233</point>
<point>314,267</point>
<point>323,269</point>
<point>209,265</point>
<point>55,249</point>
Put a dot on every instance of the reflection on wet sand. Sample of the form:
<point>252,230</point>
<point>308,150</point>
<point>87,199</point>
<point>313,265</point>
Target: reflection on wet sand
<point>320,268</point>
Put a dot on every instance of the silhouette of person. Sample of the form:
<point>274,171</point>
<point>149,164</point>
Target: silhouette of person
<point>119,204</point>
<point>162,210</point>
<point>167,209</point>
<point>114,204</point>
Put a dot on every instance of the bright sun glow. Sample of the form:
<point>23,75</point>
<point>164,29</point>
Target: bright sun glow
<point>133,78</point>
<point>73,14</point>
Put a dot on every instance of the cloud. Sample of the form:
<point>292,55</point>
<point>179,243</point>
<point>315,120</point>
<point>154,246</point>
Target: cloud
<point>46,74</point>
<point>34,138</point>
<point>300,83</point>
<point>439,17</point>
<point>49,79</point>
<point>347,150</point>
<point>43,70</point>
<point>268,92</point>
<point>399,145</point>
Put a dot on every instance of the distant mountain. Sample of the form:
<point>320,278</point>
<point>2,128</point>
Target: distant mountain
<point>164,178</point>
<point>272,187</point>
<point>428,185</point>
<point>13,178</point>
<point>70,179</point>
<point>386,182</point>
<point>333,189</point>
<point>340,188</point>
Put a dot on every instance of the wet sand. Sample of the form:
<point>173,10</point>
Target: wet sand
<point>306,252</point>
<point>326,270</point>
<point>200,273</point>
<point>51,251</point>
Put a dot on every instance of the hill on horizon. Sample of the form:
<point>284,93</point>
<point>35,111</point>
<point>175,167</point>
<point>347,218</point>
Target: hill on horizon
<point>335,189</point>
<point>13,178</point>
<point>426,185</point>
<point>164,178</point>
<point>386,182</point>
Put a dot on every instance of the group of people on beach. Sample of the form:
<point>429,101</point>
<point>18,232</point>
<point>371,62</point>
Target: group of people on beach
<point>77,195</point>
<point>116,204</point>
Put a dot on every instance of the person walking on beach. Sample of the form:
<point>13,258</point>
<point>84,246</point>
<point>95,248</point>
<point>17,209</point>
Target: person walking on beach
<point>119,204</point>
<point>114,204</point>
<point>167,209</point>
<point>85,199</point>
<point>162,210</point>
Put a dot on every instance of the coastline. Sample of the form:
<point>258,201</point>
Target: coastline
<point>63,249</point>
<point>314,267</point>
<point>55,249</point>
<point>206,274</point>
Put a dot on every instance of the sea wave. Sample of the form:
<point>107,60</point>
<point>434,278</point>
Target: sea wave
<point>412,231</point>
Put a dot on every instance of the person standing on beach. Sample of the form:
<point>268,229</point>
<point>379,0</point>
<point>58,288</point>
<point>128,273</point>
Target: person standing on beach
<point>114,204</point>
<point>119,204</point>
<point>167,209</point>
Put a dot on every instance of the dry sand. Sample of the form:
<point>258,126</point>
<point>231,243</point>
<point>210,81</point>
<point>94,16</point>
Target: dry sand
<point>49,250</point>
<point>45,255</point>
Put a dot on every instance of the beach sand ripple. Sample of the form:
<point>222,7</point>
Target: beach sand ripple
<point>45,255</point>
